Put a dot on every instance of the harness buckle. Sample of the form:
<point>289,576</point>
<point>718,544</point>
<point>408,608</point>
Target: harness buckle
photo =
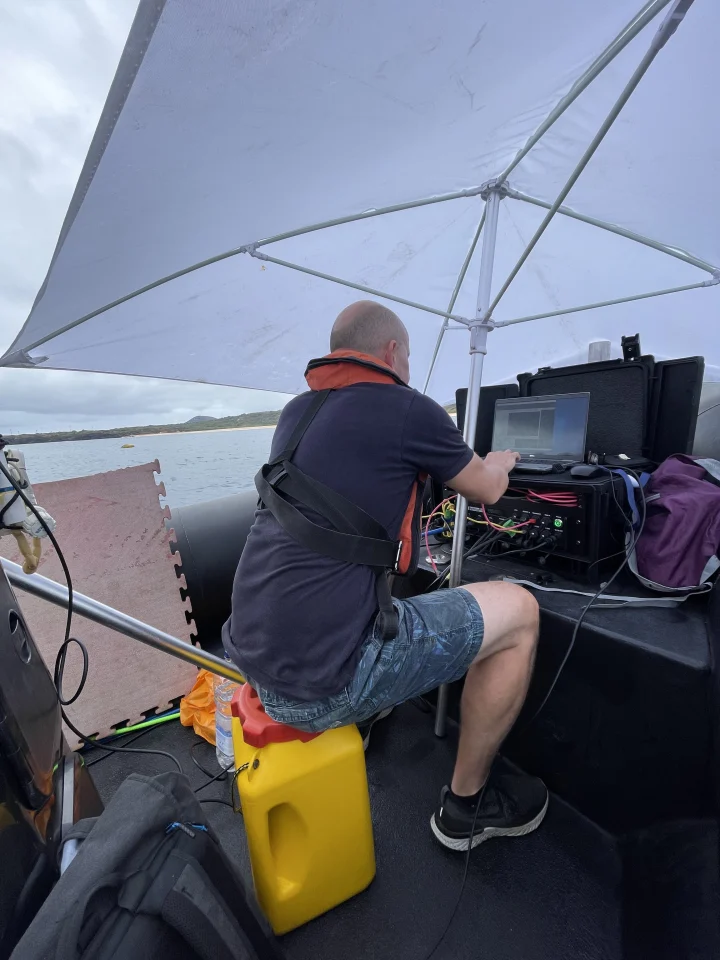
<point>280,475</point>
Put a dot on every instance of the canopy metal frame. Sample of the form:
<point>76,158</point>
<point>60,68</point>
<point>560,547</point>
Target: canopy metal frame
<point>492,192</point>
<point>638,23</point>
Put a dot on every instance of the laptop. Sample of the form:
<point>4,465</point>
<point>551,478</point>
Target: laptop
<point>548,432</point>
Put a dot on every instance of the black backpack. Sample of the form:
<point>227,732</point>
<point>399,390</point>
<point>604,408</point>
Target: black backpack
<point>149,879</point>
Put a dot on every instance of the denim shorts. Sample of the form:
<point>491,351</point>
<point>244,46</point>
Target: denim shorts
<point>439,636</point>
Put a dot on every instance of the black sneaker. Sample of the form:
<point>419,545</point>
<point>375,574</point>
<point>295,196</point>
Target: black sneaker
<point>366,726</point>
<point>512,805</point>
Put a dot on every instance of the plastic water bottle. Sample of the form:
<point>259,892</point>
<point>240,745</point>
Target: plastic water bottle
<point>224,690</point>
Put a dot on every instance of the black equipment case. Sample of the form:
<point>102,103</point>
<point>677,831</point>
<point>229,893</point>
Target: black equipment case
<point>640,408</point>
<point>620,399</point>
<point>675,405</point>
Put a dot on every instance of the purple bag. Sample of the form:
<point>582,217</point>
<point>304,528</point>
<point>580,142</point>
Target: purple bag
<point>679,546</point>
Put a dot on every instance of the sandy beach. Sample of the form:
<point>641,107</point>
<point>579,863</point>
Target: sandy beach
<point>171,433</point>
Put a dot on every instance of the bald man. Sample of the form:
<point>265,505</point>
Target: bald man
<point>313,632</point>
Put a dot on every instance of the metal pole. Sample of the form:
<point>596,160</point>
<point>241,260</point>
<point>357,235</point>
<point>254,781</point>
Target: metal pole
<point>56,593</point>
<point>666,29</point>
<point>628,33</point>
<point>620,231</point>
<point>610,303</point>
<point>354,286</point>
<point>453,298</point>
<point>375,212</point>
<point>236,251</point>
<point>478,348</point>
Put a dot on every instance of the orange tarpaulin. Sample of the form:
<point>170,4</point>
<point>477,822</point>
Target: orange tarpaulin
<point>197,709</point>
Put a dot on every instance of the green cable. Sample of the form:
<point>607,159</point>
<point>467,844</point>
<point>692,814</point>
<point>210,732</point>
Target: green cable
<point>152,722</point>
<point>510,523</point>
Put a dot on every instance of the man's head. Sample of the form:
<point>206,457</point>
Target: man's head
<point>370,328</point>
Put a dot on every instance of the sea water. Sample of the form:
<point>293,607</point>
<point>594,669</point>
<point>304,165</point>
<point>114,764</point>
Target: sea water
<point>193,466</point>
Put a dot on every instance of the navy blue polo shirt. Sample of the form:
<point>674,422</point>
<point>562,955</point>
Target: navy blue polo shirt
<point>299,618</point>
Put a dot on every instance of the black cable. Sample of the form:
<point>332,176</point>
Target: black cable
<point>464,876</point>
<point>482,540</point>
<point>60,669</point>
<point>602,559</point>
<point>626,521</point>
<point>234,786</point>
<point>104,756</point>
<point>105,746</point>
<point>603,587</point>
<point>219,776</point>
<point>225,803</point>
<point>541,545</point>
<point>201,768</point>
<point>62,652</point>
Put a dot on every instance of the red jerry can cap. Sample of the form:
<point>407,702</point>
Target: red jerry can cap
<point>258,728</point>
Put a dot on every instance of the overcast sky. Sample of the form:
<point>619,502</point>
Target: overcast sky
<point>57,60</point>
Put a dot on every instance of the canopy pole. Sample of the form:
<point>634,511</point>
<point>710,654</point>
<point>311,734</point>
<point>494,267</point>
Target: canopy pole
<point>354,286</point>
<point>56,593</point>
<point>620,231</point>
<point>375,212</point>
<point>453,298</point>
<point>628,33</point>
<point>666,29</point>
<point>26,359</point>
<point>479,327</point>
<point>610,303</point>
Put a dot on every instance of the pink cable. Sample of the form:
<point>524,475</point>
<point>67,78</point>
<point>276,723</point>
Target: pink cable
<point>561,498</point>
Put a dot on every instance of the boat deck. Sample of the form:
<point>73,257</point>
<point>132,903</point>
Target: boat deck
<point>553,895</point>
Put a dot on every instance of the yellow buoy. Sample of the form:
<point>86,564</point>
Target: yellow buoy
<point>126,446</point>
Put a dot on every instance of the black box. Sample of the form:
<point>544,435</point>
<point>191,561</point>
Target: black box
<point>581,536</point>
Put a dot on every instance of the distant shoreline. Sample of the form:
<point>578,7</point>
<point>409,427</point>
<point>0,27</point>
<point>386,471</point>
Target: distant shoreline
<point>242,421</point>
<point>171,433</point>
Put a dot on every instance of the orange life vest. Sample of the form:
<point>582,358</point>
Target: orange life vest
<point>354,536</point>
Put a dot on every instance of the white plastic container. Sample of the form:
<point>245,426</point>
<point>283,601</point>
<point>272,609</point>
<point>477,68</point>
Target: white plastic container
<point>224,690</point>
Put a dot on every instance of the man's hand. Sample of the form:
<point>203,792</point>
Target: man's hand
<point>502,458</point>
<point>485,481</point>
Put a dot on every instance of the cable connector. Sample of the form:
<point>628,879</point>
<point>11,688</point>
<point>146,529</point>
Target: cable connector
<point>494,186</point>
<point>251,249</point>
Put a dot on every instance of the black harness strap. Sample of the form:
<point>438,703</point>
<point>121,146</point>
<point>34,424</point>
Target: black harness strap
<point>301,426</point>
<point>346,515</point>
<point>354,536</point>
<point>347,547</point>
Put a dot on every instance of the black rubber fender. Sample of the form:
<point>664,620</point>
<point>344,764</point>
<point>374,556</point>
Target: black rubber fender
<point>210,538</point>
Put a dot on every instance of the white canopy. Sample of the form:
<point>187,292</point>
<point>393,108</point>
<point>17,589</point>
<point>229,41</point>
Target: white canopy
<point>231,123</point>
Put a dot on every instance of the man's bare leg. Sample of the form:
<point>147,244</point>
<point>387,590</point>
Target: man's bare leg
<point>495,688</point>
<point>497,681</point>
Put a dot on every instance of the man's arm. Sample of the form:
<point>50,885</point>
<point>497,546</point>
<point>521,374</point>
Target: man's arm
<point>433,444</point>
<point>486,480</point>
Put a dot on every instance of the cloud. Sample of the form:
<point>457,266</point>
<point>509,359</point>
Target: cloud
<point>46,400</point>
<point>57,61</point>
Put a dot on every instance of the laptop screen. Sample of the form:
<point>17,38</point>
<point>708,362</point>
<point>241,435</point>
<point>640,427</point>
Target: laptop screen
<point>543,428</point>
